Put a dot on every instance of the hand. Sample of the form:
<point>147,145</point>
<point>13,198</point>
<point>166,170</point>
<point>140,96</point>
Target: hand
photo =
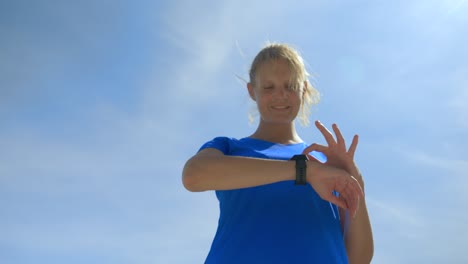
<point>326,179</point>
<point>336,153</point>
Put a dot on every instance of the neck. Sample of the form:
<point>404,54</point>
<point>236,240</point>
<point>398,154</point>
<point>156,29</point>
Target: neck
<point>278,133</point>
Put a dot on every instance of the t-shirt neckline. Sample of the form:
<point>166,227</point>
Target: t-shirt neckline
<point>273,143</point>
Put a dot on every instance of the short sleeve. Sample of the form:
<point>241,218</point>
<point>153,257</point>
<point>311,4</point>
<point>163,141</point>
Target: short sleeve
<point>219,143</point>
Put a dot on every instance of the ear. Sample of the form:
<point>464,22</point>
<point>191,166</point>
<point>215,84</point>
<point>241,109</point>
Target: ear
<point>306,87</point>
<point>251,89</point>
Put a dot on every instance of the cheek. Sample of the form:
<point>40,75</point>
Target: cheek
<point>261,102</point>
<point>296,97</point>
<point>263,97</point>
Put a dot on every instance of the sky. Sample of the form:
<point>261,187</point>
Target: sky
<point>102,102</point>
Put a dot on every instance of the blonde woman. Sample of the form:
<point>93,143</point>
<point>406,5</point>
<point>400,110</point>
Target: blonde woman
<point>281,200</point>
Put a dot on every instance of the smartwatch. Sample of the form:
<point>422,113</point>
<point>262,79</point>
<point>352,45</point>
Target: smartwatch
<point>301,169</point>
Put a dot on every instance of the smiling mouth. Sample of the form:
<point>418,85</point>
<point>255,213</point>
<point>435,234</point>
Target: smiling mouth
<point>280,107</point>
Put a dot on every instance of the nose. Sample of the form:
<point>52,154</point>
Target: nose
<point>282,92</point>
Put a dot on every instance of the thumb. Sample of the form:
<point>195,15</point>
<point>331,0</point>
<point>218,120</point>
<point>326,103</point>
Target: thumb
<point>338,201</point>
<point>312,158</point>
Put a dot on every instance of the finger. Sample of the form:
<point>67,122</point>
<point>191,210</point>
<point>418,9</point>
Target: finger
<point>326,133</point>
<point>358,187</point>
<point>354,208</point>
<point>339,137</point>
<point>344,193</point>
<point>349,192</point>
<point>353,192</point>
<point>357,207</point>
<point>351,203</point>
<point>315,147</point>
<point>352,148</point>
<point>358,194</point>
<point>351,198</point>
<point>338,201</point>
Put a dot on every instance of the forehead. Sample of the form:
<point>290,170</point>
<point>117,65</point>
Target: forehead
<point>274,69</point>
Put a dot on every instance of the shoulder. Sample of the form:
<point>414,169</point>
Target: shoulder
<point>222,144</point>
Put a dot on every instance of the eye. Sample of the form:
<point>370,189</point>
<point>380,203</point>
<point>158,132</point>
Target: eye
<point>268,87</point>
<point>294,87</point>
<point>289,87</point>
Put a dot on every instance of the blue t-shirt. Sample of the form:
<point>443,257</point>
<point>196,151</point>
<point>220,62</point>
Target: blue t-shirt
<point>274,223</point>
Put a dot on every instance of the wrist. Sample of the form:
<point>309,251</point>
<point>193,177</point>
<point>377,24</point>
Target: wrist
<point>312,169</point>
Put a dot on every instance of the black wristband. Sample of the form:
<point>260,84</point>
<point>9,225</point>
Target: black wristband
<point>301,169</point>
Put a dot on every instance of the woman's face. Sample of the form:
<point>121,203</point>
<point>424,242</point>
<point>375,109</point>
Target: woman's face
<point>277,101</point>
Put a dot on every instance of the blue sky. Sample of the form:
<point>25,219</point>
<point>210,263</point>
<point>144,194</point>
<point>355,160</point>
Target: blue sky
<point>102,102</point>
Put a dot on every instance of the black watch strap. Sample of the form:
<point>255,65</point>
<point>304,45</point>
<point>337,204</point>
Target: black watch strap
<point>301,169</point>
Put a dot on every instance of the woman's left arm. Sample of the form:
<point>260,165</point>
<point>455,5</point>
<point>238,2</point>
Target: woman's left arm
<point>357,229</point>
<point>358,232</point>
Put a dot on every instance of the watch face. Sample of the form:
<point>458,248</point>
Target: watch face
<point>301,166</point>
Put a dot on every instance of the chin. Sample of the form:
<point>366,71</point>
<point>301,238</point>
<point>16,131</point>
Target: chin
<point>278,121</point>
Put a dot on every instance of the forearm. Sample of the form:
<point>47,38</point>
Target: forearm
<point>358,234</point>
<point>231,172</point>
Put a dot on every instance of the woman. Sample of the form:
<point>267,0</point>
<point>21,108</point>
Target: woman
<point>274,209</point>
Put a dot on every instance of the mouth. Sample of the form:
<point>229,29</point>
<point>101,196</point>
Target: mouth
<point>280,107</point>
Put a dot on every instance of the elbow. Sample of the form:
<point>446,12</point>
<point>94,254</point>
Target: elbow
<point>191,177</point>
<point>190,183</point>
<point>371,252</point>
<point>363,255</point>
<point>363,259</point>
<point>367,258</point>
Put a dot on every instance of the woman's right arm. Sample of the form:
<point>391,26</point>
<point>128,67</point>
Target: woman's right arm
<point>210,169</point>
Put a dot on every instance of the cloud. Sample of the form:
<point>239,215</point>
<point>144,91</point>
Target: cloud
<point>423,207</point>
<point>456,103</point>
<point>449,174</point>
<point>392,221</point>
<point>209,47</point>
<point>107,179</point>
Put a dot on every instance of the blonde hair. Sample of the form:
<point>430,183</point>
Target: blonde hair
<point>299,76</point>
